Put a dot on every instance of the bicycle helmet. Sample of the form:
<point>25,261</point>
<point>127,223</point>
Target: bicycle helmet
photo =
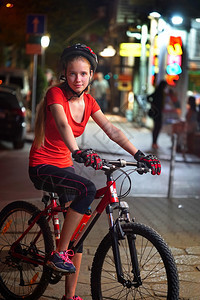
<point>82,50</point>
<point>78,50</point>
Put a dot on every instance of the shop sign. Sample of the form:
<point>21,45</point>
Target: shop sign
<point>125,82</point>
<point>174,60</point>
<point>132,49</point>
<point>154,66</point>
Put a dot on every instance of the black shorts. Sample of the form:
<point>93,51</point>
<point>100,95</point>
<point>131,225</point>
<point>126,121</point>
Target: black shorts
<point>67,184</point>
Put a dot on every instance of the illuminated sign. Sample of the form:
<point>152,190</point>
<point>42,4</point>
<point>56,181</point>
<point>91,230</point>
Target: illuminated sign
<point>125,82</point>
<point>174,60</point>
<point>154,65</point>
<point>132,49</point>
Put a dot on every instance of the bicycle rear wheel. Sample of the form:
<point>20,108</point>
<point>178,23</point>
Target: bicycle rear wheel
<point>20,279</point>
<point>157,267</point>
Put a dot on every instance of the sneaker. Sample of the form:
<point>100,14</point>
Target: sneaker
<point>59,261</point>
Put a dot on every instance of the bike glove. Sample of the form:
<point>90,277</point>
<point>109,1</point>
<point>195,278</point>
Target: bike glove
<point>89,157</point>
<point>151,161</point>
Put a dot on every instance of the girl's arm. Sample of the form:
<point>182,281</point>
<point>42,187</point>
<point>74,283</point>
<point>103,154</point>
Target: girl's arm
<point>114,133</point>
<point>63,126</point>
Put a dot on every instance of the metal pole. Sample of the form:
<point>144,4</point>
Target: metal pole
<point>143,72</point>
<point>172,164</point>
<point>43,59</point>
<point>33,106</point>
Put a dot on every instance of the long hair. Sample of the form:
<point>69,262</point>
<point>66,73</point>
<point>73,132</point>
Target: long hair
<point>40,123</point>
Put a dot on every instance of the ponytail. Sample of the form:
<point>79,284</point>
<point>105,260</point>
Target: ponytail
<point>40,124</point>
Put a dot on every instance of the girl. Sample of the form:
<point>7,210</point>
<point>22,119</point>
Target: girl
<point>62,116</point>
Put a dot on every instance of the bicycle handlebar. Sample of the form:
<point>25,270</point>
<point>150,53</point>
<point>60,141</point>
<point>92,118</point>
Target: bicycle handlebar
<point>121,163</point>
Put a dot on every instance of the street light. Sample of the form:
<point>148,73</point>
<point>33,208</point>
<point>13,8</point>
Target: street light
<point>155,14</point>
<point>45,40</point>
<point>177,20</point>
<point>108,52</point>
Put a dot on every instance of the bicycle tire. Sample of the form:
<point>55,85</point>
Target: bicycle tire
<point>156,263</point>
<point>20,279</point>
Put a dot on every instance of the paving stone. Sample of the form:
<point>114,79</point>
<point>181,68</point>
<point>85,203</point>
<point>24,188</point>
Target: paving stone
<point>189,291</point>
<point>193,250</point>
<point>177,251</point>
<point>190,260</point>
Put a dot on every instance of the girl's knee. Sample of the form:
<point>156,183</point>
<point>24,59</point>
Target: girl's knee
<point>91,188</point>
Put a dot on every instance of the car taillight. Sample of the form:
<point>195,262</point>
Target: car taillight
<point>19,111</point>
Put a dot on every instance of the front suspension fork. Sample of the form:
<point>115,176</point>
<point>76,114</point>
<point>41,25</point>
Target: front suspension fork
<point>117,234</point>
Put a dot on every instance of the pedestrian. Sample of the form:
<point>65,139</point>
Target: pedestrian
<point>191,123</point>
<point>174,103</point>
<point>100,91</point>
<point>157,100</point>
<point>61,117</point>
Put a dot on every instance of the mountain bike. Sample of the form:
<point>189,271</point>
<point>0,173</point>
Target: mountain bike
<point>131,262</point>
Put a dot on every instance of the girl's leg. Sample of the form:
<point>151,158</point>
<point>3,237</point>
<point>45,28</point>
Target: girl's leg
<point>51,178</point>
<point>71,221</point>
<point>71,280</point>
<point>156,129</point>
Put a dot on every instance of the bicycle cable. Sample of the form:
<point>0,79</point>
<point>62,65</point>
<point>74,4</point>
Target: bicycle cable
<point>126,173</point>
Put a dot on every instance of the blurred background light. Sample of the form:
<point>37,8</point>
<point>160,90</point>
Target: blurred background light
<point>9,5</point>
<point>155,14</point>
<point>108,52</point>
<point>177,20</point>
<point>45,40</point>
<point>136,35</point>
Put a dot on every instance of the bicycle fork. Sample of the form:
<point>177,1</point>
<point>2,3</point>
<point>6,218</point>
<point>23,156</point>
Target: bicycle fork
<point>118,234</point>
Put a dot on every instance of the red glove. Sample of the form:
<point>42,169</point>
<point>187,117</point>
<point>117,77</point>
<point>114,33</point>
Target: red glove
<point>151,161</point>
<point>89,157</point>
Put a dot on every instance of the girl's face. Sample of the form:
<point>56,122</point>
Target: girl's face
<point>78,74</point>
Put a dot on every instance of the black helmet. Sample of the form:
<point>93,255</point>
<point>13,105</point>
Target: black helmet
<point>82,50</point>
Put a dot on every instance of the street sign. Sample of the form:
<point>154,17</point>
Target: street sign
<point>33,49</point>
<point>36,24</point>
<point>33,44</point>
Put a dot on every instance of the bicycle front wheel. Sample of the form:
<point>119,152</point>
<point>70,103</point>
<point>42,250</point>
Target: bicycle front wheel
<point>159,278</point>
<point>21,279</point>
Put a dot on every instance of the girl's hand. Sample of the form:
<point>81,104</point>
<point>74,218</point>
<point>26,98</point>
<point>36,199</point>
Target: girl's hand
<point>89,157</point>
<point>151,161</point>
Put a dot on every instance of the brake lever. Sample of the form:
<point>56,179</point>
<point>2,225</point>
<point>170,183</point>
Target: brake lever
<point>142,168</point>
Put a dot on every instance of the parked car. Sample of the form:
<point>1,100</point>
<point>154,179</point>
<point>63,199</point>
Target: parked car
<point>19,77</point>
<point>12,116</point>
